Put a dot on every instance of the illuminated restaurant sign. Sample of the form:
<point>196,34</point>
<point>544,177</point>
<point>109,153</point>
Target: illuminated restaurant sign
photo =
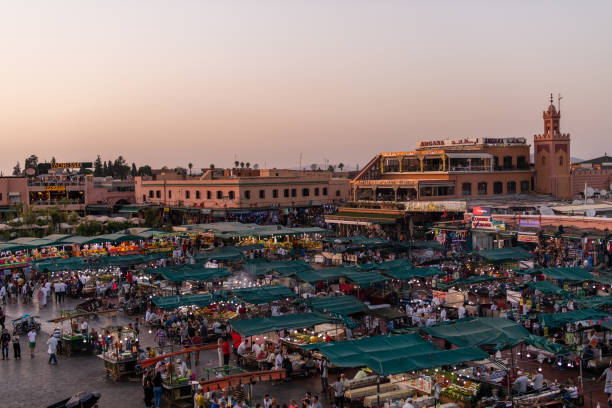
<point>73,165</point>
<point>471,142</point>
<point>55,188</point>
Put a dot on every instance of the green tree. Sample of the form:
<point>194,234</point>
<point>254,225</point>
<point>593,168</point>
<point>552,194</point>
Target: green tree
<point>242,165</point>
<point>145,170</point>
<point>31,162</point>
<point>313,166</point>
<point>152,218</point>
<point>181,171</point>
<point>212,166</point>
<point>331,168</point>
<point>340,166</point>
<point>256,166</point>
<point>105,170</point>
<point>73,218</point>
<point>236,164</point>
<point>17,170</point>
<point>98,169</point>
<point>134,171</point>
<point>248,165</point>
<point>190,165</point>
<point>121,169</point>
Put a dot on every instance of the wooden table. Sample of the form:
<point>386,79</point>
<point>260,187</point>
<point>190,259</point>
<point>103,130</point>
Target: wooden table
<point>118,368</point>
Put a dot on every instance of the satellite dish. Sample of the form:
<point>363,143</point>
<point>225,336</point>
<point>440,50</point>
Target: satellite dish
<point>30,171</point>
<point>590,192</point>
<point>589,213</point>
<point>544,210</point>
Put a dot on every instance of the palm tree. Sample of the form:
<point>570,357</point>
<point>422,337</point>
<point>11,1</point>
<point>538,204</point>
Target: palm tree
<point>212,166</point>
<point>242,165</point>
<point>340,166</point>
<point>236,163</point>
<point>330,168</point>
<point>313,167</point>
<point>190,165</point>
<point>248,165</point>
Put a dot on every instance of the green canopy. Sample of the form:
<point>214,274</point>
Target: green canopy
<point>411,273</point>
<point>356,275</point>
<point>387,355</point>
<point>285,268</point>
<point>14,247</point>
<point>118,237</point>
<point>546,287</point>
<point>504,254</point>
<point>344,305</point>
<point>565,274</point>
<point>251,327</point>
<point>481,331</point>
<point>560,319</point>
<point>385,266</point>
<point>435,245</point>
<point>543,344</point>
<point>595,301</point>
<point>80,240</point>
<point>204,274</point>
<point>172,302</point>
<point>227,253</point>
<point>471,280</point>
<point>150,233</point>
<point>258,295</point>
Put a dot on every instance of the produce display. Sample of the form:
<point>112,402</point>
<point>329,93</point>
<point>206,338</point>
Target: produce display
<point>304,338</point>
<point>461,393</point>
<point>92,252</point>
<point>124,249</point>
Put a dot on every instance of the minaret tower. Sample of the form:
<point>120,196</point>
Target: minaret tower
<point>552,155</point>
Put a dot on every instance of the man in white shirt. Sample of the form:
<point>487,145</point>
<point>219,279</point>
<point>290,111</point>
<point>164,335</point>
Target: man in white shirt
<point>56,289</point>
<point>52,342</point>
<point>538,381</point>
<point>278,361</point>
<point>32,341</point>
<point>443,314</point>
<point>461,312</point>
<point>242,348</point>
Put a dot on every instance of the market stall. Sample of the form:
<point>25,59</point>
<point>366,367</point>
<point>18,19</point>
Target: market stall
<point>120,352</point>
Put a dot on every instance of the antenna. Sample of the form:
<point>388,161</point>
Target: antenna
<point>559,97</point>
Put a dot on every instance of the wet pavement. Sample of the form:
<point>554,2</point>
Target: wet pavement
<point>35,383</point>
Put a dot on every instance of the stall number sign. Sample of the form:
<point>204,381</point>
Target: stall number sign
<point>55,188</point>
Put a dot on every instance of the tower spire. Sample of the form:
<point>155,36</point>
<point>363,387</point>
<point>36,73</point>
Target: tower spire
<point>551,98</point>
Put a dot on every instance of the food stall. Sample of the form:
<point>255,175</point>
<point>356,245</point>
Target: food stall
<point>120,351</point>
<point>74,340</point>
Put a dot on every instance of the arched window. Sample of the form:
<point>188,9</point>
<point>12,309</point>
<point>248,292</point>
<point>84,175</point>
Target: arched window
<point>247,195</point>
<point>482,188</point>
<point>524,186</point>
<point>208,195</point>
<point>197,194</point>
<point>511,187</point>
<point>498,187</point>
<point>231,195</point>
<point>466,189</point>
<point>187,194</point>
<point>219,194</point>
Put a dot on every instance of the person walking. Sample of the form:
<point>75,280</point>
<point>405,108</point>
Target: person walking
<point>226,352</point>
<point>5,340</point>
<point>32,341</point>
<point>148,392</point>
<point>16,346</point>
<point>157,389</point>
<point>52,342</point>
<point>324,368</point>
<point>160,338</point>
<point>220,351</point>
<point>2,317</point>
<point>338,387</point>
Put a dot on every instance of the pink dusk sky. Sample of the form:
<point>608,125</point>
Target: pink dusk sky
<point>179,81</point>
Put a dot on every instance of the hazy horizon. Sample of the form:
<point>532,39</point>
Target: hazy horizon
<point>178,82</point>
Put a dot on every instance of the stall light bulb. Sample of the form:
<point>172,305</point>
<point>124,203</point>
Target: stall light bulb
<point>559,363</point>
<point>540,369</point>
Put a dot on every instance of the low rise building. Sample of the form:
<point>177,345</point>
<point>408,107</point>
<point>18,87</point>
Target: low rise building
<point>243,190</point>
